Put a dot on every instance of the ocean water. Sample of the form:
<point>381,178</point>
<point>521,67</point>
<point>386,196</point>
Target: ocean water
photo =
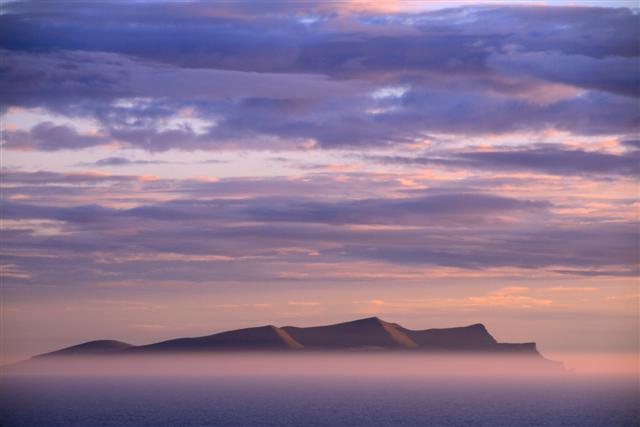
<point>316,401</point>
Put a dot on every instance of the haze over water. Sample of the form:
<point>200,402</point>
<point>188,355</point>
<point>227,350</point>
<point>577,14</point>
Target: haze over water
<point>319,399</point>
<point>323,389</point>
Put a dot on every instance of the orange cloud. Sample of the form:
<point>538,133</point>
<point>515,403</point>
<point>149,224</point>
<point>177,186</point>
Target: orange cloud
<point>570,289</point>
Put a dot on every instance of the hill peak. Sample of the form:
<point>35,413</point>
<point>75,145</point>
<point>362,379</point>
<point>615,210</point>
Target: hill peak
<point>477,326</point>
<point>369,332</point>
<point>96,347</point>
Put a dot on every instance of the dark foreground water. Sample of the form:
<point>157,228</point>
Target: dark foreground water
<point>367,402</point>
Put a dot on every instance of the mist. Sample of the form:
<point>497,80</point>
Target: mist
<point>312,364</point>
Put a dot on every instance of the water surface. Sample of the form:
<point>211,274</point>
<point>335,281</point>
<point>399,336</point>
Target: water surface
<point>315,401</point>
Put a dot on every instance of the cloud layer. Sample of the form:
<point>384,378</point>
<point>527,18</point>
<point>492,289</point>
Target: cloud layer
<point>308,76</point>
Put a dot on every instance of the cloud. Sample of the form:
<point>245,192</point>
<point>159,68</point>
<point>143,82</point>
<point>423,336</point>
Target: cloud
<point>240,125</point>
<point>68,188</point>
<point>202,76</point>
<point>305,76</point>
<point>511,247</point>
<point>541,158</point>
<point>611,74</point>
<point>251,238</point>
<point>232,36</point>
<point>48,177</point>
<point>234,221</point>
<point>47,136</point>
<point>570,289</point>
<point>441,208</point>
<point>503,298</point>
<point>631,143</point>
<point>557,161</point>
<point>506,297</point>
<point>122,161</point>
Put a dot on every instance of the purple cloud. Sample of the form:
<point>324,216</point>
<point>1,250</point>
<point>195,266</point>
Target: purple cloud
<point>270,81</point>
<point>549,159</point>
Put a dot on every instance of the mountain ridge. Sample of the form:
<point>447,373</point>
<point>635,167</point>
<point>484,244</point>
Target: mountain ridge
<point>267,337</point>
<point>365,334</point>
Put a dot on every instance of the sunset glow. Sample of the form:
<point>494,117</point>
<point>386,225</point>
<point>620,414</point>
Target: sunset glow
<point>183,168</point>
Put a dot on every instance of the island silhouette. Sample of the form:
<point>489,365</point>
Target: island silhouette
<point>370,335</point>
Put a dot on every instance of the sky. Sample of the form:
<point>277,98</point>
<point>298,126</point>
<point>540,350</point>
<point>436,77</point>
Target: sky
<point>181,168</point>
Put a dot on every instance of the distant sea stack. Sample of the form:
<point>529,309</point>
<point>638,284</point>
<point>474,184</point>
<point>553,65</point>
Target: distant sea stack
<point>370,334</point>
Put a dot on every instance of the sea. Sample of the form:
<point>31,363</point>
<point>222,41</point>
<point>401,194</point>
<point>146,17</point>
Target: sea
<point>192,400</point>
